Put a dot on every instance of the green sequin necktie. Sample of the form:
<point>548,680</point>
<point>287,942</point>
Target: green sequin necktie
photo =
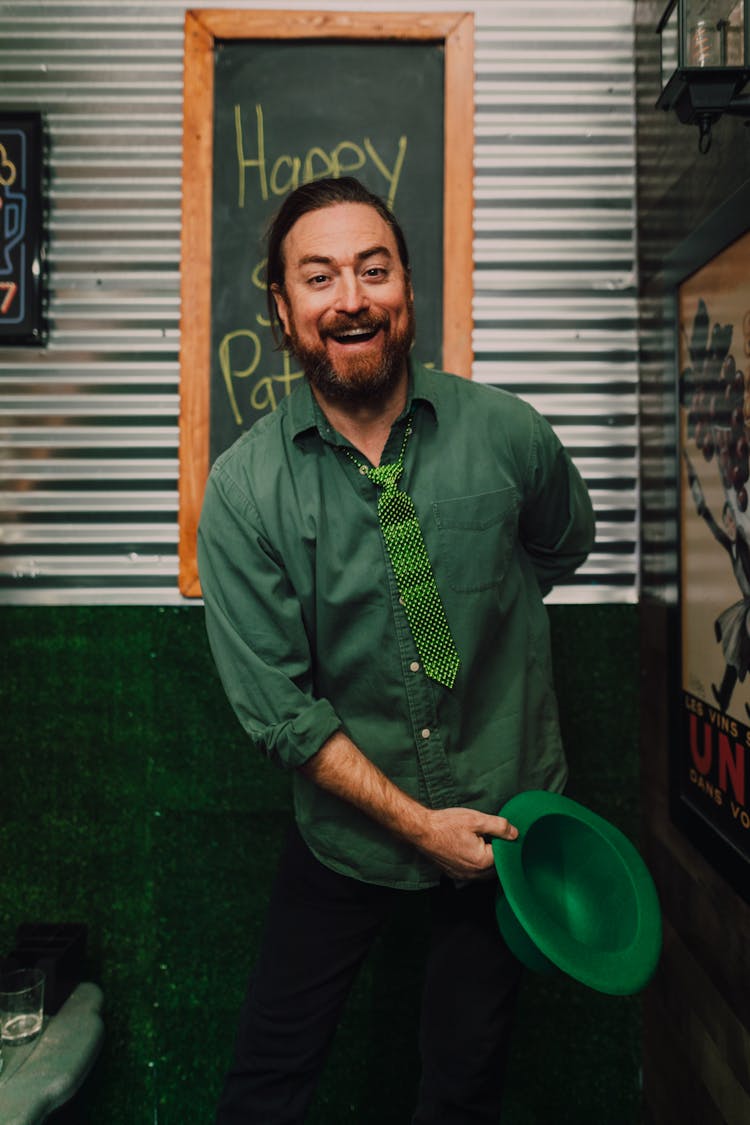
<point>411,566</point>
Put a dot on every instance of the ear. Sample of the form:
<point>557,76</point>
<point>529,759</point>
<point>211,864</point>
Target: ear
<point>282,307</point>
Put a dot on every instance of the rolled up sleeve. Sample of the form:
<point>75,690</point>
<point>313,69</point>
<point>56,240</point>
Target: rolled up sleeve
<point>255,630</point>
<point>557,521</point>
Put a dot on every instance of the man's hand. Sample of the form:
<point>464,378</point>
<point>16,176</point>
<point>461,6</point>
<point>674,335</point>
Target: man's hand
<point>457,840</point>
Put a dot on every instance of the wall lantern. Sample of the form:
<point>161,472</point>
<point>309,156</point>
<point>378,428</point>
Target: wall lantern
<point>705,61</point>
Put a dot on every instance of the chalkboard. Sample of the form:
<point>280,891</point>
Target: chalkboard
<point>273,100</point>
<point>21,228</point>
<point>265,145</point>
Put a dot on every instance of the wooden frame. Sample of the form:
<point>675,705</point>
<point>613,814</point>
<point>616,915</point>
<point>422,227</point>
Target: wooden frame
<point>202,29</point>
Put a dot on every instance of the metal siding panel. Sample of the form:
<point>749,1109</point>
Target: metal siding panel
<point>88,425</point>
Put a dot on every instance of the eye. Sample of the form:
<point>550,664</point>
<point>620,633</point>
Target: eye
<point>317,280</point>
<point>376,273</point>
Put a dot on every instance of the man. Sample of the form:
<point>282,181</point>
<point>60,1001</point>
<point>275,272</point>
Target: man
<point>394,658</point>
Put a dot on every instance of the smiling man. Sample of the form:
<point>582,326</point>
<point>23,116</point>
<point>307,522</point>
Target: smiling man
<point>373,558</point>
<point>347,313</point>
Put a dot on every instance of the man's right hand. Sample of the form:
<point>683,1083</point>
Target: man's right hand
<point>454,839</point>
<point>457,840</point>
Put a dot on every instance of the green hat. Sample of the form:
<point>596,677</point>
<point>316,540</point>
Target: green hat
<point>575,895</point>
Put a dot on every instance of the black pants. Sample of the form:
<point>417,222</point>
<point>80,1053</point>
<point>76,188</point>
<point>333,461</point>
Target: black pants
<point>319,928</point>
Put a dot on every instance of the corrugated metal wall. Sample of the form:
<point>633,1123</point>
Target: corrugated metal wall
<point>89,424</point>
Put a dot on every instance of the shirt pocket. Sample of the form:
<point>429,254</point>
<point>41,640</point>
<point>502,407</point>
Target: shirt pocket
<point>477,535</point>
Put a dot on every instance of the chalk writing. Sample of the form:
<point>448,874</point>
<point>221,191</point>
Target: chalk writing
<point>288,171</point>
<point>241,350</point>
<point>258,278</point>
<point>226,359</point>
<point>243,347</point>
<point>274,132</point>
<point>264,394</point>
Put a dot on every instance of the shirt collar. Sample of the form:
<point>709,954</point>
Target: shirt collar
<point>305,414</point>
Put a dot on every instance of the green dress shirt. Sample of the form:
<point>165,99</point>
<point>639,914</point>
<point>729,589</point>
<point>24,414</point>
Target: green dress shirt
<point>308,635</point>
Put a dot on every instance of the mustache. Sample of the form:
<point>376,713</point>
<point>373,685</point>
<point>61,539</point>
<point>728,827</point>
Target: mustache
<point>343,322</point>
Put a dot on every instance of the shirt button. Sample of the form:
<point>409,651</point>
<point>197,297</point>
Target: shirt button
<point>426,732</point>
<point>363,470</point>
<point>414,665</point>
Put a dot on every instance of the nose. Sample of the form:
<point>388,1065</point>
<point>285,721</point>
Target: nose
<point>351,296</point>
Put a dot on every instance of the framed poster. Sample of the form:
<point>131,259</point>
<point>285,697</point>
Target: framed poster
<point>711,774</point>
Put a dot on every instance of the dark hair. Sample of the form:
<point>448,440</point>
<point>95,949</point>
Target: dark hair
<point>314,197</point>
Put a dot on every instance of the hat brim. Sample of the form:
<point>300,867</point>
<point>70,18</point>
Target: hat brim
<point>580,892</point>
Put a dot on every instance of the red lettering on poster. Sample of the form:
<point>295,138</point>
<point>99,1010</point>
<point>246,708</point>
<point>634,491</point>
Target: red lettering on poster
<point>702,761</point>
<point>733,766</point>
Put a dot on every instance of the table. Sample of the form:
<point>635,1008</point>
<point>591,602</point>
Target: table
<point>40,1076</point>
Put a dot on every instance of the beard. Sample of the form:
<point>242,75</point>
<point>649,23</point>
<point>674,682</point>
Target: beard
<point>361,379</point>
